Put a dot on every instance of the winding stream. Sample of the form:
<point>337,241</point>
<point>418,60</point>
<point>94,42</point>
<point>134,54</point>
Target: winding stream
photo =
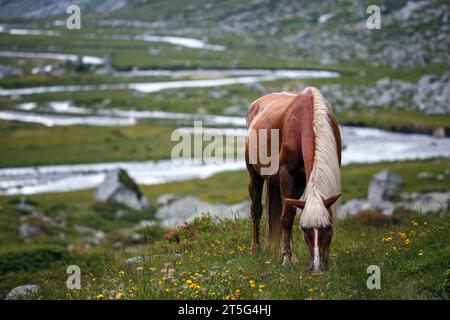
<point>52,56</point>
<point>149,87</point>
<point>63,113</point>
<point>363,145</point>
<point>187,42</point>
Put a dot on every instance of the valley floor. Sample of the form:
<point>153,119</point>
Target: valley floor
<point>206,260</point>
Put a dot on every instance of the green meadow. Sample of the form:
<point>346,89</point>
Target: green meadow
<point>209,260</point>
<point>206,258</point>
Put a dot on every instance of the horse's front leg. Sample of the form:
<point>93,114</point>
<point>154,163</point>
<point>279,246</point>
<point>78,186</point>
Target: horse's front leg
<point>287,216</point>
<point>255,189</point>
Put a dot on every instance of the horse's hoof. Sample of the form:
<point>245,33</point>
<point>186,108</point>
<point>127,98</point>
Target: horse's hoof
<point>316,273</point>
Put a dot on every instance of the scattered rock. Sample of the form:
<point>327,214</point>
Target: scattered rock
<point>35,216</point>
<point>428,202</point>
<point>27,230</point>
<point>425,175</point>
<point>146,223</point>
<point>186,209</point>
<point>383,186</point>
<point>165,199</point>
<point>23,292</point>
<point>97,234</point>
<point>355,206</point>
<point>133,260</point>
<point>25,205</point>
<point>430,95</point>
<point>118,187</point>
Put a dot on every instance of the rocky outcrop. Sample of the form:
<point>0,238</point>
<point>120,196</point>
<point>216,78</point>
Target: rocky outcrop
<point>23,292</point>
<point>355,206</point>
<point>382,187</point>
<point>331,32</point>
<point>186,209</point>
<point>431,95</point>
<point>118,187</point>
<point>427,202</point>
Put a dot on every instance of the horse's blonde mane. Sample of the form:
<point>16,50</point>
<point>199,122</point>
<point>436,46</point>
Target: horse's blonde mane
<point>325,180</point>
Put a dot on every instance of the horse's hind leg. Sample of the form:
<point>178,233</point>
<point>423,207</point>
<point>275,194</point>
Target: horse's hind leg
<point>255,188</point>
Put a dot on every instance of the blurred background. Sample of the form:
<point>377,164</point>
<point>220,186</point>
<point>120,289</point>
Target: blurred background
<point>87,114</point>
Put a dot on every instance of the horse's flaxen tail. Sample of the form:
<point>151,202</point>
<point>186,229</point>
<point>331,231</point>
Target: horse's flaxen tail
<point>273,209</point>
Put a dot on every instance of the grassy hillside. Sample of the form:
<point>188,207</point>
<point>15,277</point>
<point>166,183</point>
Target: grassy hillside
<point>210,249</point>
<point>265,34</point>
<point>208,260</point>
<point>213,261</point>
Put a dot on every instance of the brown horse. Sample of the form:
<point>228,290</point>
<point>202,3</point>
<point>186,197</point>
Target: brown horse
<point>309,158</point>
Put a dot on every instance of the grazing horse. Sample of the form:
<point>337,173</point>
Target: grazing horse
<point>308,175</point>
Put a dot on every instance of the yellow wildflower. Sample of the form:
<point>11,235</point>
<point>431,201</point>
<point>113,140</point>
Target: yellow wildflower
<point>407,241</point>
<point>414,223</point>
<point>100,296</point>
<point>252,283</point>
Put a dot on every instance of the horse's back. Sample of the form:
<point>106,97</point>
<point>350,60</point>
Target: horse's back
<point>265,112</point>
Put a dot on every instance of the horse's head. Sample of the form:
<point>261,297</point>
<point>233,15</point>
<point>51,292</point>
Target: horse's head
<point>318,238</point>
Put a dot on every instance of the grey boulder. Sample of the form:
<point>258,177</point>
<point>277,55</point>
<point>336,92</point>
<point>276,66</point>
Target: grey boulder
<point>355,206</point>
<point>118,187</point>
<point>166,199</point>
<point>23,292</point>
<point>186,209</point>
<point>383,186</point>
<point>428,202</point>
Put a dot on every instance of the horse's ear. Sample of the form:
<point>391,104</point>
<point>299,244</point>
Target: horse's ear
<point>329,202</point>
<point>296,203</point>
